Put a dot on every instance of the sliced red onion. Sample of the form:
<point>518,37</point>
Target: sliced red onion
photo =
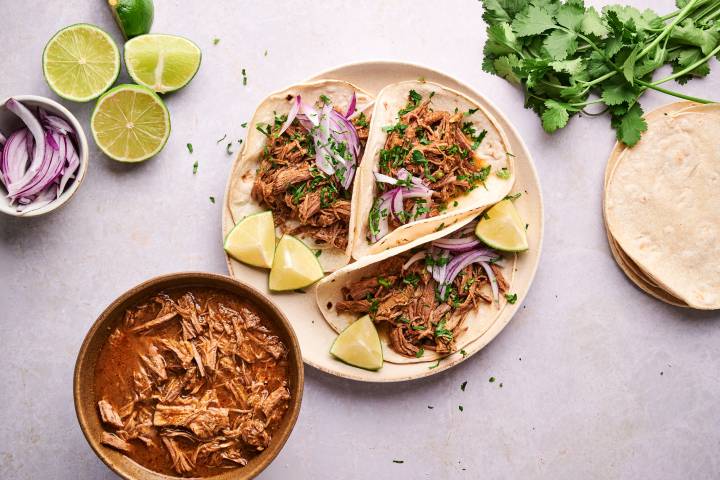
<point>397,203</point>
<point>291,115</point>
<point>457,244</point>
<point>351,107</point>
<point>382,178</point>
<point>458,263</point>
<point>493,281</point>
<point>418,256</point>
<point>33,124</point>
<point>32,184</point>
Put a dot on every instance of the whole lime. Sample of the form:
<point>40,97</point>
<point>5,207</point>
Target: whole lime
<point>134,17</point>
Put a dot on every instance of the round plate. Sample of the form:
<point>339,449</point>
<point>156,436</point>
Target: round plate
<point>314,334</point>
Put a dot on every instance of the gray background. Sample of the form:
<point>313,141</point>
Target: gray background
<point>598,379</point>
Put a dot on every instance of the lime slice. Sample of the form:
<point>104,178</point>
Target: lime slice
<point>80,62</point>
<point>359,345</point>
<point>294,265</point>
<point>162,62</point>
<point>502,228</point>
<point>252,240</point>
<point>130,123</point>
<point>134,17</point>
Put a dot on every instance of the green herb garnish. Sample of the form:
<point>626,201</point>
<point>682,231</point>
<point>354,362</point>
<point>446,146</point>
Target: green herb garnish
<point>562,52</point>
<point>216,41</point>
<point>212,199</point>
<point>511,298</point>
<point>190,147</point>
<point>384,282</point>
<point>503,173</point>
<point>460,407</point>
<point>491,379</point>
<point>463,385</point>
<point>244,75</point>
<point>195,167</point>
<point>420,353</point>
<point>437,364</point>
<point>223,138</point>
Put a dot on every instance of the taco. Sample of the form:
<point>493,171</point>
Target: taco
<point>300,160</point>
<point>429,298</point>
<point>434,157</point>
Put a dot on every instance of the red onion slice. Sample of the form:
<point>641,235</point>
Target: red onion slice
<point>291,115</point>
<point>33,124</point>
<point>418,256</point>
<point>382,178</point>
<point>351,107</point>
<point>458,263</point>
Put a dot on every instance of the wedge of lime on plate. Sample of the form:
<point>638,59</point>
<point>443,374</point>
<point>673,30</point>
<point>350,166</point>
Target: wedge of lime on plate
<point>164,63</point>
<point>252,240</point>
<point>130,123</point>
<point>359,345</point>
<point>294,265</point>
<point>134,17</point>
<point>501,228</point>
<point>80,62</point>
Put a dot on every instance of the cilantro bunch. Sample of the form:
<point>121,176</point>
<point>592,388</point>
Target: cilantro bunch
<point>567,56</point>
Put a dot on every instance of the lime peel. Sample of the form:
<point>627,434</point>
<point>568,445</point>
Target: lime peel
<point>501,228</point>
<point>294,266</point>
<point>252,240</point>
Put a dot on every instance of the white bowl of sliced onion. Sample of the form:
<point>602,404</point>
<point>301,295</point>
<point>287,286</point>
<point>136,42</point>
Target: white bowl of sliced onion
<point>43,155</point>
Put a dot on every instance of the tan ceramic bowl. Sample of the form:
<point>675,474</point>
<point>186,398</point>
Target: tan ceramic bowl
<point>83,380</point>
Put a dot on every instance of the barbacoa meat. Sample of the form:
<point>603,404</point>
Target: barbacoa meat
<point>304,200</point>
<point>202,386</point>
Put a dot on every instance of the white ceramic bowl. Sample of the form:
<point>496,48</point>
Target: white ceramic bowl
<point>9,122</point>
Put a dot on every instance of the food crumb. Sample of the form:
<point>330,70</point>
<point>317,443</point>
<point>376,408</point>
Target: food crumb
<point>398,461</point>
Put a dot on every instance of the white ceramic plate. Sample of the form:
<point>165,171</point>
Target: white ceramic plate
<point>314,334</point>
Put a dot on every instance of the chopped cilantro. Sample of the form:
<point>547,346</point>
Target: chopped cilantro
<point>317,252</point>
<point>463,385</point>
<point>511,298</point>
<point>491,379</point>
<point>398,127</point>
<point>471,111</point>
<point>463,353</point>
<point>212,199</point>
<point>414,99</point>
<point>398,461</point>
<point>503,173</point>
<point>361,120</point>
<point>411,279</point>
<point>195,167</point>
<point>442,332</point>
<point>243,125</point>
<point>228,149</point>
<point>460,407</point>
<point>325,99</point>
<point>244,75</point>
<point>384,282</point>
<point>190,147</point>
<point>223,138</point>
<point>437,364</point>
<point>513,197</point>
<point>420,352</point>
<point>216,41</point>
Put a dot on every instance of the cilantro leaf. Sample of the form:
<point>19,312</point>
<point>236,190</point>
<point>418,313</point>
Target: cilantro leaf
<point>556,116</point>
<point>592,24</point>
<point>560,44</point>
<point>532,21</point>
<point>631,125</point>
<point>504,67</point>
<point>618,92</point>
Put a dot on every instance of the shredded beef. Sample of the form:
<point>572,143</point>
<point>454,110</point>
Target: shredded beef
<point>289,183</point>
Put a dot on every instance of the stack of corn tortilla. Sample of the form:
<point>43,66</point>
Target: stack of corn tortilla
<point>662,206</point>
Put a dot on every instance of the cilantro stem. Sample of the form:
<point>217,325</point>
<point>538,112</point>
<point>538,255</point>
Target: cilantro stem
<point>666,31</point>
<point>688,69</point>
<point>672,93</point>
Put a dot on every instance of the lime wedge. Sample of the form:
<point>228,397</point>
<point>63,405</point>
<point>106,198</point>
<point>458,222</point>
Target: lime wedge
<point>359,345</point>
<point>134,17</point>
<point>80,62</point>
<point>502,228</point>
<point>294,265</point>
<point>163,63</point>
<point>130,123</point>
<point>252,240</point>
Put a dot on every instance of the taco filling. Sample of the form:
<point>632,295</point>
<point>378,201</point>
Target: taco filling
<point>307,167</point>
<point>423,296</point>
<point>427,161</point>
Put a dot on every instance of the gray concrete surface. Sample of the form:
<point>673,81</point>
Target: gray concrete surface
<point>598,380</point>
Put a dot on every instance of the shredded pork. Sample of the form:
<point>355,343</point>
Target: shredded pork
<point>192,382</point>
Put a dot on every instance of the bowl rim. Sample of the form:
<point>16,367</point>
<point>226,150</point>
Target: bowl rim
<point>83,154</point>
<point>189,277</point>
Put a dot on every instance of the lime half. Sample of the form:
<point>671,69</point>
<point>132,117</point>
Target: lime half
<point>359,345</point>
<point>294,265</point>
<point>502,228</point>
<point>130,123</point>
<point>252,240</point>
<point>163,63</point>
<point>80,62</point>
<point>134,17</point>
